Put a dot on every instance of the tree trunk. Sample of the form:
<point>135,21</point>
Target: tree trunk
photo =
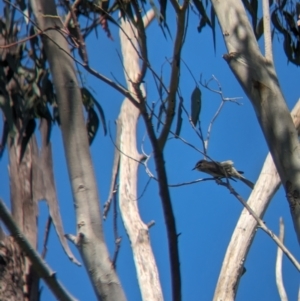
<point>90,239</point>
<point>258,78</point>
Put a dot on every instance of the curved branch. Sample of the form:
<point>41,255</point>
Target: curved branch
<point>243,235</point>
<point>137,230</point>
<point>258,78</point>
<point>175,73</point>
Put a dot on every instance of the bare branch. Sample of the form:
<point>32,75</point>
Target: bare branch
<point>224,99</point>
<point>118,239</point>
<point>82,47</point>
<point>244,233</point>
<point>175,72</point>
<point>46,236</point>
<point>115,171</point>
<point>263,226</point>
<point>267,31</point>
<point>278,269</point>
<point>137,230</point>
<point>69,15</point>
<point>141,39</point>
<point>167,209</point>
<point>257,76</point>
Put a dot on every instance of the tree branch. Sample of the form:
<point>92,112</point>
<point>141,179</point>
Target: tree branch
<point>244,233</point>
<point>262,225</point>
<point>175,73</point>
<point>278,268</point>
<point>137,230</point>
<point>167,208</point>
<point>90,238</point>
<point>267,31</point>
<point>258,78</point>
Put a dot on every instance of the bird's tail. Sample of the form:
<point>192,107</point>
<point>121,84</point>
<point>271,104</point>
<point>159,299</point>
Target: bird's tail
<point>247,182</point>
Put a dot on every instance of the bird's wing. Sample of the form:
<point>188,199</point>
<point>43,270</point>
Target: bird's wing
<point>226,163</point>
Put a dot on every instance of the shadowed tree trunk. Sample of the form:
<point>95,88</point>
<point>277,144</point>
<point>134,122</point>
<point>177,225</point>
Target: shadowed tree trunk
<point>90,238</point>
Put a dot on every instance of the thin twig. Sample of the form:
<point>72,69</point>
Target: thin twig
<point>98,75</point>
<point>175,71</point>
<point>267,31</point>
<point>224,99</point>
<point>116,234</point>
<point>20,41</point>
<point>278,268</point>
<point>82,46</point>
<point>46,236</point>
<point>191,182</point>
<point>68,17</point>
<point>115,169</point>
<point>144,190</point>
<point>263,226</point>
<point>141,41</point>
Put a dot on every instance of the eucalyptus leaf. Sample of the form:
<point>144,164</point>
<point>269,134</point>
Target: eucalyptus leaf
<point>89,101</point>
<point>157,13</point>
<point>163,8</point>
<point>195,105</point>
<point>162,109</point>
<point>92,125</point>
<point>179,118</point>
<point>5,131</point>
<point>30,127</point>
<point>259,29</point>
<point>213,26</point>
<point>276,23</point>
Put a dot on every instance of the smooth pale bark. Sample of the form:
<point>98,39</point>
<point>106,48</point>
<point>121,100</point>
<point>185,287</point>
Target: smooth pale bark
<point>46,188</point>
<point>90,239</point>
<point>278,267</point>
<point>258,78</point>
<point>136,229</point>
<point>244,232</point>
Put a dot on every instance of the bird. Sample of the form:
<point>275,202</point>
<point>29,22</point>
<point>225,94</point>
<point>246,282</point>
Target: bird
<point>224,169</point>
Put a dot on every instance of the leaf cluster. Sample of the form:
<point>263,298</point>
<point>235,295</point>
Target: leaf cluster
<point>26,89</point>
<point>286,21</point>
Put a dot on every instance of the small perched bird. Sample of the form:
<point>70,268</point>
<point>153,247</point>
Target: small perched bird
<point>220,170</point>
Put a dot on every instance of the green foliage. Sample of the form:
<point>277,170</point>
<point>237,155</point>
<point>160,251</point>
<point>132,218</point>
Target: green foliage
<point>286,22</point>
<point>26,88</point>
<point>26,63</point>
<point>93,122</point>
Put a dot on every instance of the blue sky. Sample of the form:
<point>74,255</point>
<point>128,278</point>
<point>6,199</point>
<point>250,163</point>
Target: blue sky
<point>206,213</point>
